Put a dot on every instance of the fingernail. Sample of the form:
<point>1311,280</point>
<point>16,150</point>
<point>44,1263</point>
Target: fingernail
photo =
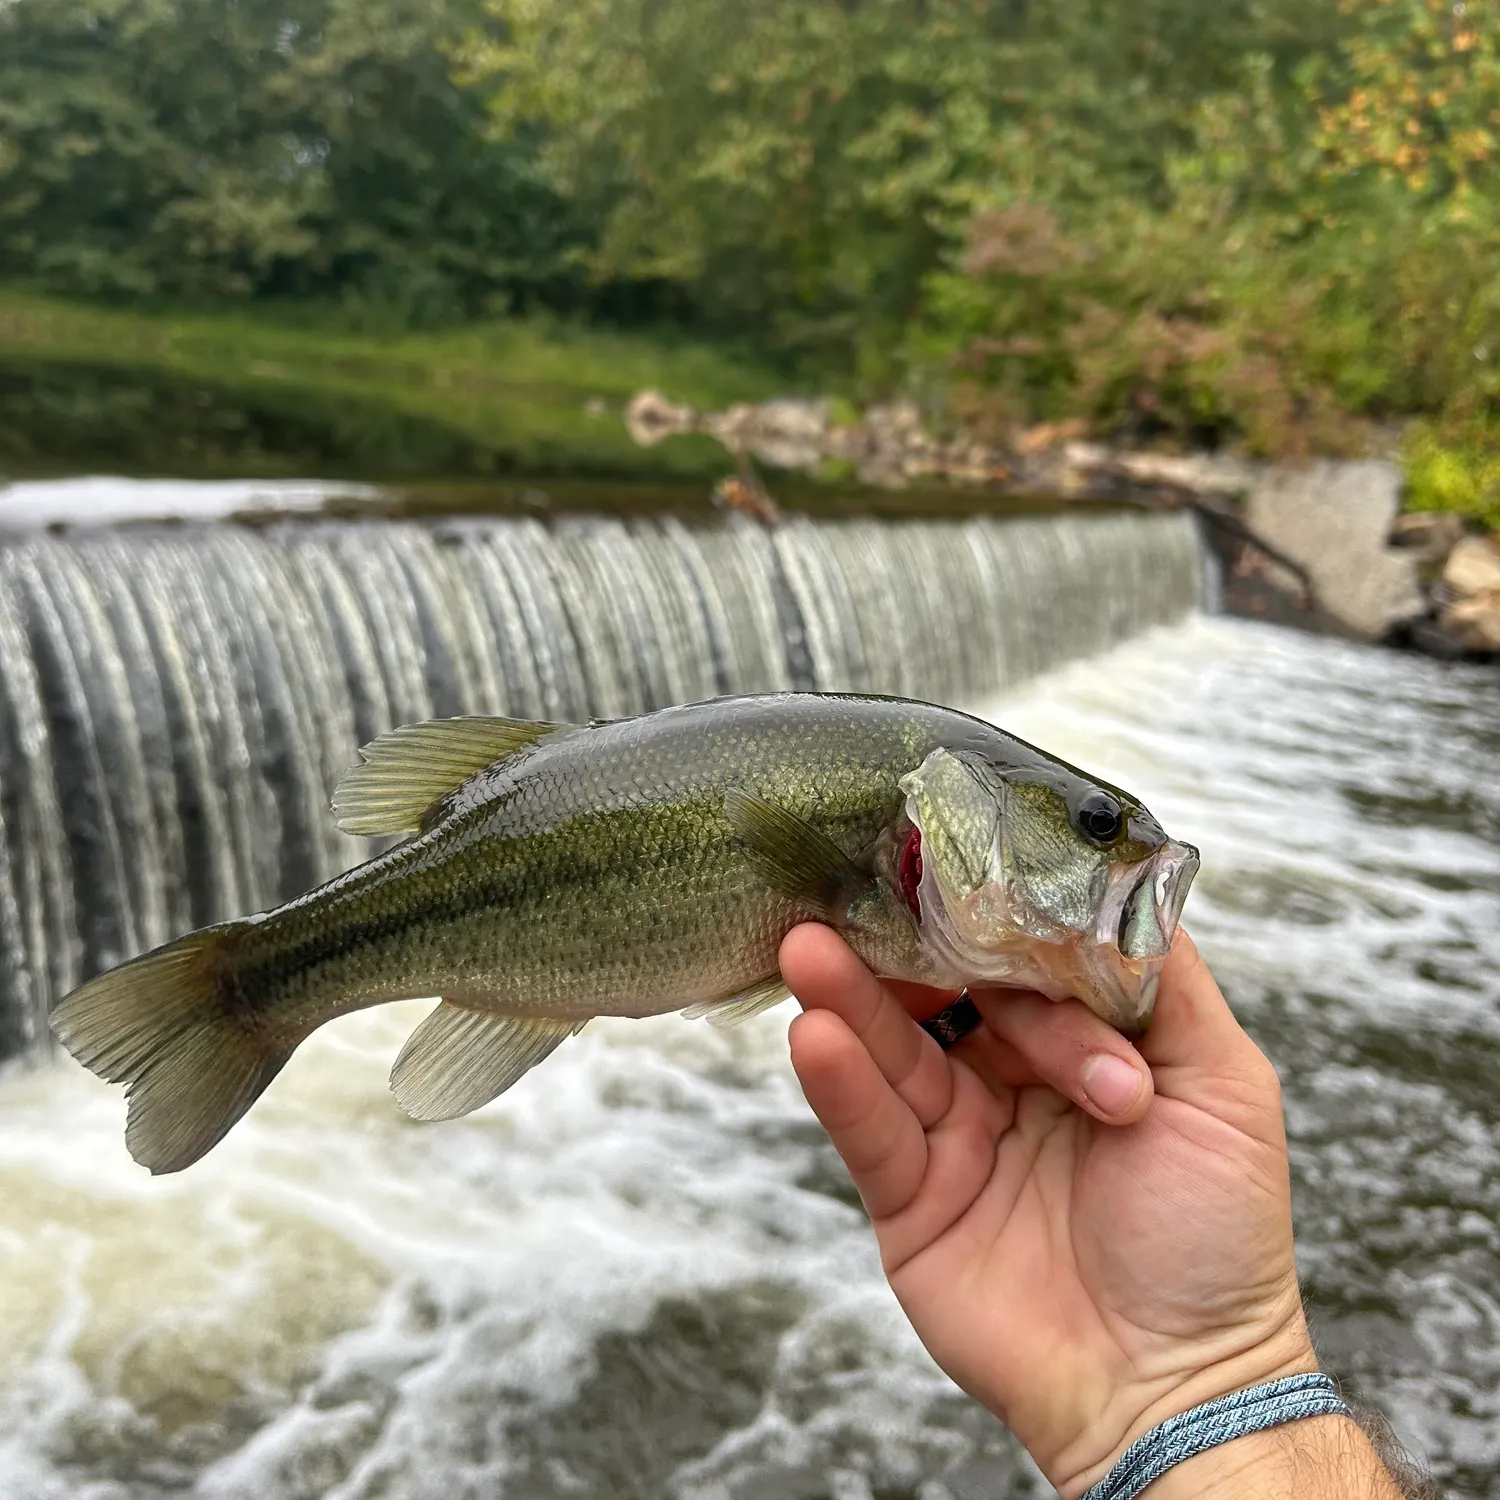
<point>1110,1083</point>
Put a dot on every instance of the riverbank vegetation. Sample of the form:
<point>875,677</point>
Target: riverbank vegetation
<point>256,391</point>
<point>1273,224</point>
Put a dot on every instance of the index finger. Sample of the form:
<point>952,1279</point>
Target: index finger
<point>823,972</point>
<point>871,1126</point>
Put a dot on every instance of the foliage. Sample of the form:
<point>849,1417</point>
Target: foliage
<point>802,165</point>
<point>1286,282</point>
<point>1455,471</point>
<point>1420,101</point>
<point>223,150</point>
<point>1172,222</point>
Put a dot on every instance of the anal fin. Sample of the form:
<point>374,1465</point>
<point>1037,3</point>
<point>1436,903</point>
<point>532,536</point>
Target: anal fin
<point>462,1056</point>
<point>732,1009</point>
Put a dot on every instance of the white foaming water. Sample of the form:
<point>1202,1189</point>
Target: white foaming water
<point>104,499</point>
<point>640,1273</point>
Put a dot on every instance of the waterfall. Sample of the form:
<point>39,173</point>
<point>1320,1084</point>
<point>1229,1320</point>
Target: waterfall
<point>177,702</point>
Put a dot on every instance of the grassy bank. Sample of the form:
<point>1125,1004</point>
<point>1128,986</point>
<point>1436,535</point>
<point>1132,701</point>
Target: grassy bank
<point>217,393</point>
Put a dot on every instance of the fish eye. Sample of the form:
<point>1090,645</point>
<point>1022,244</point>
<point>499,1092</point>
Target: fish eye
<point>1099,818</point>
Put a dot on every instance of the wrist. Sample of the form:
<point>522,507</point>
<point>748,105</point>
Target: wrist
<point>1145,1404</point>
<point>1320,1458</point>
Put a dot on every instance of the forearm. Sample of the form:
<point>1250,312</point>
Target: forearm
<point>1322,1458</point>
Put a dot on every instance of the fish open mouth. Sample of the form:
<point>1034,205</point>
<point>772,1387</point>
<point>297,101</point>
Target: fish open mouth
<point>1138,919</point>
<point>1141,922</point>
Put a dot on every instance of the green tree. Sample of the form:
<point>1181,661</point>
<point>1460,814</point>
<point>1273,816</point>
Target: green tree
<point>285,147</point>
<point>802,166</point>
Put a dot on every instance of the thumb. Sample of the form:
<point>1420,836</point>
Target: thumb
<point>1198,1051</point>
<point>1192,1022</point>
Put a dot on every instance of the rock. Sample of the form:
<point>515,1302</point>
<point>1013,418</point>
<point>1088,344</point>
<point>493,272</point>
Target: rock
<point>900,418</point>
<point>1096,469</point>
<point>1333,519</point>
<point>888,448</point>
<point>1470,591</point>
<point>849,444</point>
<point>1474,623</point>
<point>731,426</point>
<point>1199,473</point>
<point>1047,435</point>
<point>650,417</point>
<point>1429,534</point>
<point>1473,568</point>
<point>895,447</point>
<point>789,434</point>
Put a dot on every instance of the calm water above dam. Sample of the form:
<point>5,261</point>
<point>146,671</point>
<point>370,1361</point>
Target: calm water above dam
<point>641,1273</point>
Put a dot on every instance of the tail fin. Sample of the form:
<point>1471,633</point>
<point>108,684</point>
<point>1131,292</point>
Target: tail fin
<point>160,1025</point>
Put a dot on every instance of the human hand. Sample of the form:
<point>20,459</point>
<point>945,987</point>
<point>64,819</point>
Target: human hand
<point>1084,1251</point>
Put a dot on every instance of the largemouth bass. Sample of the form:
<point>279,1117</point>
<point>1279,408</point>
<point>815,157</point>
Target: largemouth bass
<point>558,872</point>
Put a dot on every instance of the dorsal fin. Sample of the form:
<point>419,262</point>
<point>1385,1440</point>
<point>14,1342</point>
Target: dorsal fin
<point>407,772</point>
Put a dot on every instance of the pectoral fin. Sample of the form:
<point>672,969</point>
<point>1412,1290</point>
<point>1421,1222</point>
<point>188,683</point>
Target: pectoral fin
<point>794,857</point>
<point>461,1057</point>
<point>733,1009</point>
<point>408,774</point>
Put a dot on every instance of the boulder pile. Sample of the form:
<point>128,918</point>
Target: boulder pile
<point>888,447</point>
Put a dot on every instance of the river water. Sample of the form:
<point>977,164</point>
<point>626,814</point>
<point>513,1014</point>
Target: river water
<point>641,1272</point>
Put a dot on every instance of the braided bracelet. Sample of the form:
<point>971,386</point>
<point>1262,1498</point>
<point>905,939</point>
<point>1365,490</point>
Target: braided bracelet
<point>1216,1422</point>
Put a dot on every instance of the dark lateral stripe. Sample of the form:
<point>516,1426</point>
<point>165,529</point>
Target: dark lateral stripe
<point>261,968</point>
